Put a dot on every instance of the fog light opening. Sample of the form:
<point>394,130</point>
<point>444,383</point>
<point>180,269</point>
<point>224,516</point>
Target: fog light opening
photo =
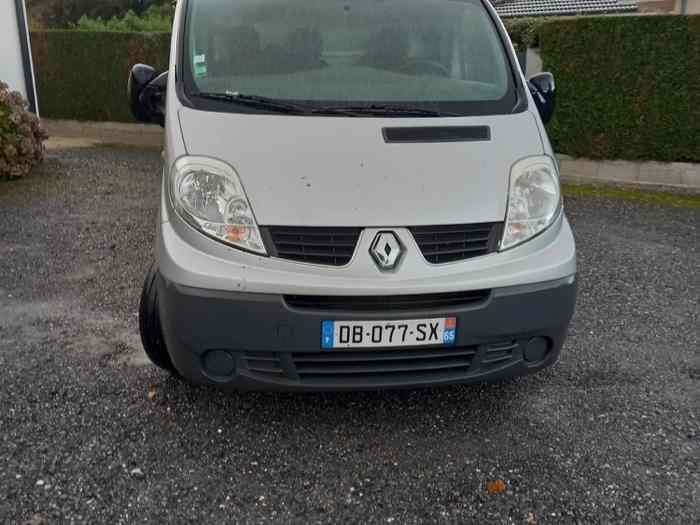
<point>219,364</point>
<point>537,349</point>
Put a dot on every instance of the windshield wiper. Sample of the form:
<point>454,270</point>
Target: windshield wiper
<point>384,110</point>
<point>281,106</point>
<point>270,104</point>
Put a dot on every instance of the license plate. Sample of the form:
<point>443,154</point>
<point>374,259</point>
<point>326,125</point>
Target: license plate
<point>378,334</point>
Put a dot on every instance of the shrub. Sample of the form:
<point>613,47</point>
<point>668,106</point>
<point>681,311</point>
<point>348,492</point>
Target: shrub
<point>21,135</point>
<point>627,86</point>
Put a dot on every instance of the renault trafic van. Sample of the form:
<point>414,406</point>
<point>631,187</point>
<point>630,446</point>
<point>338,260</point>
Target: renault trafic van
<point>356,194</point>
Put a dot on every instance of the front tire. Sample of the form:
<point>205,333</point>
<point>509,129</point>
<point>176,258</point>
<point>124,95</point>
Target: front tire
<point>149,324</point>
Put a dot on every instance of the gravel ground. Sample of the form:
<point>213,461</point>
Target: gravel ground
<point>90,433</point>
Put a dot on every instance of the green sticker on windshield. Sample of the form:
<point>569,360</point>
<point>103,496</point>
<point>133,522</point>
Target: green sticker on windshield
<point>200,66</point>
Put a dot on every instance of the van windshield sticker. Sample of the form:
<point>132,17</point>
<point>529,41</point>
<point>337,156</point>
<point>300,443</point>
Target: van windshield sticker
<point>200,66</point>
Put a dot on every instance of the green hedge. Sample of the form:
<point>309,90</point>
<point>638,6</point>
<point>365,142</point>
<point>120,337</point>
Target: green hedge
<point>82,75</point>
<point>628,87</point>
<point>95,65</point>
<point>524,32</point>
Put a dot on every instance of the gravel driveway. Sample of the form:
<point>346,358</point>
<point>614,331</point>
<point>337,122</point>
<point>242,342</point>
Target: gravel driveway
<point>90,433</point>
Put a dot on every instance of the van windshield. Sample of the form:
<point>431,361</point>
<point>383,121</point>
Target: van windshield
<point>438,55</point>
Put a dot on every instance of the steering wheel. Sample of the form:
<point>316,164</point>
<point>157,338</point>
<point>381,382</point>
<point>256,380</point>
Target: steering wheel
<point>418,65</point>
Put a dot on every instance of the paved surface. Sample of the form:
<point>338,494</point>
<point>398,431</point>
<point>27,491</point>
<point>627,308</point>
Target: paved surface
<point>122,133</point>
<point>611,434</point>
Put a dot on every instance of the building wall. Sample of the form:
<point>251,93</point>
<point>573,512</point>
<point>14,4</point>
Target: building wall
<point>692,7</point>
<point>11,66</point>
<point>534,62</point>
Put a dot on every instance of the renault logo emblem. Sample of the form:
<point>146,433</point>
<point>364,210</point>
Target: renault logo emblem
<point>386,250</point>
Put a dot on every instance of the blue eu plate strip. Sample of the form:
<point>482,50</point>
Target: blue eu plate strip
<point>327,334</point>
<point>449,337</point>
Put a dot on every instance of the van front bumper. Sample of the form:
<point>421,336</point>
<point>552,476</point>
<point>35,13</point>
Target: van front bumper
<point>254,341</point>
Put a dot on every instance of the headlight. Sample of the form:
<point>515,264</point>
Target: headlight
<point>534,200</point>
<point>208,194</point>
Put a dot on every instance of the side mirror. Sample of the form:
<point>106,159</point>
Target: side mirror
<point>544,91</point>
<point>146,93</point>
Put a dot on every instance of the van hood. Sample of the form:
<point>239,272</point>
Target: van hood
<point>338,171</point>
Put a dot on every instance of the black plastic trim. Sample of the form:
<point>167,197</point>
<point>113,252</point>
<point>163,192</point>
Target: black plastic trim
<point>451,243</point>
<point>277,339</point>
<point>379,303</point>
<point>421,134</point>
<point>323,245</point>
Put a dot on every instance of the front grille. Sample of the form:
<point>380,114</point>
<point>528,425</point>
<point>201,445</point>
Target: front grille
<point>387,303</point>
<point>318,245</point>
<point>266,363</point>
<point>456,242</point>
<point>499,353</point>
<point>382,365</point>
<point>334,246</point>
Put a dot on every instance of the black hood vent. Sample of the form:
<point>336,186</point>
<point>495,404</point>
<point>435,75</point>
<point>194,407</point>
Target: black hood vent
<point>437,134</point>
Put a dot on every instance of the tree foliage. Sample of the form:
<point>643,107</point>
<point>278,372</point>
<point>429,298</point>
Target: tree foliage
<point>60,14</point>
<point>157,18</point>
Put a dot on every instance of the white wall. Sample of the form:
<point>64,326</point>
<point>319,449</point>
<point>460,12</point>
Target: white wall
<point>11,64</point>
<point>534,62</point>
<point>693,7</point>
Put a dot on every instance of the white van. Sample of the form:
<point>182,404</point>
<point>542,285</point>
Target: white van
<point>357,194</point>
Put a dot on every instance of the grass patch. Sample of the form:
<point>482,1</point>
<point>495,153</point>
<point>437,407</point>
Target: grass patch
<point>657,198</point>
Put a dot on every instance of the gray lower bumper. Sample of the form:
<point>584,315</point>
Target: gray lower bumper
<point>258,342</point>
